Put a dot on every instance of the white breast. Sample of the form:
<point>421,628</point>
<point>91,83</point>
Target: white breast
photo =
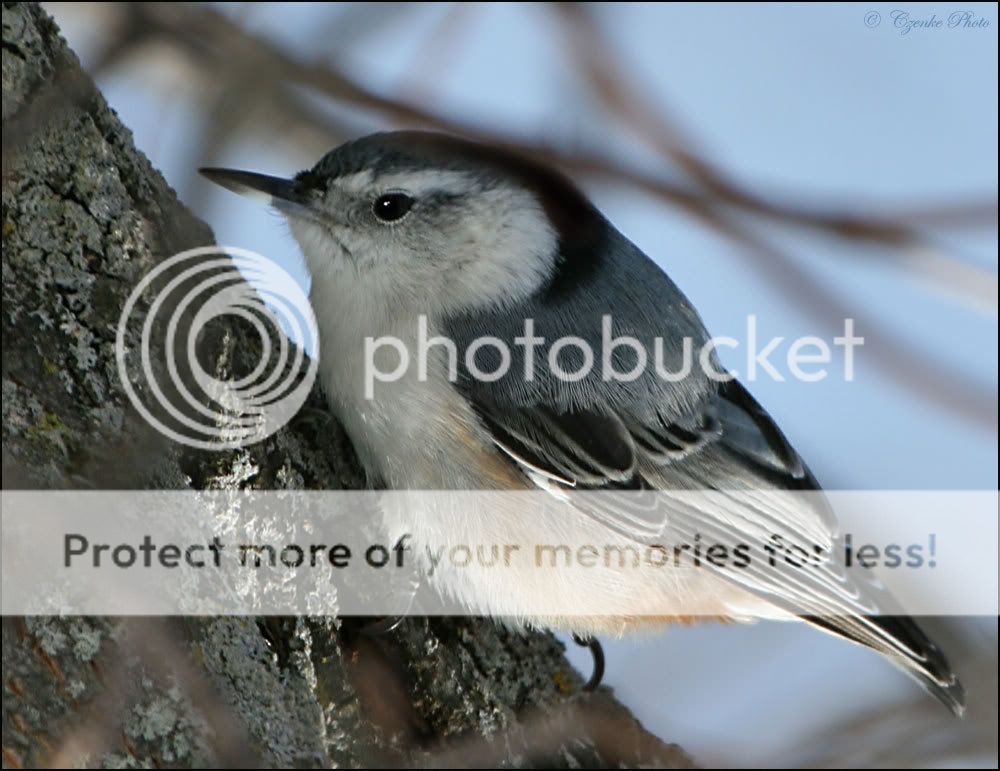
<point>407,432</point>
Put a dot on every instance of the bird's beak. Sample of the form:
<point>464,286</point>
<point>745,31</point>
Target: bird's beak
<point>283,194</point>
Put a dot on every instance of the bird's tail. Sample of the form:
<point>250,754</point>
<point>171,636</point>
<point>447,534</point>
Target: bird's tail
<point>906,645</point>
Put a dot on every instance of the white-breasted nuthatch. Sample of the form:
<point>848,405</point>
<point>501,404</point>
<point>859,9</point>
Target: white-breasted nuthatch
<point>476,240</point>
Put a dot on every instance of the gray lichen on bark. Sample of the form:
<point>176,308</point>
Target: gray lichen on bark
<point>85,215</point>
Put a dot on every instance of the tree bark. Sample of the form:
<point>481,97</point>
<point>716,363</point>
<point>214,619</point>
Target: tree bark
<point>85,216</point>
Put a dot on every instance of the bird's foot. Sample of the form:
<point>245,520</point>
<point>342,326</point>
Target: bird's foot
<point>598,653</point>
<point>355,627</point>
<point>382,626</point>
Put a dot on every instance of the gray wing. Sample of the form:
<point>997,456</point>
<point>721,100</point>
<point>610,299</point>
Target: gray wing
<point>729,446</point>
<point>694,434</point>
<point>729,443</point>
<point>651,432</point>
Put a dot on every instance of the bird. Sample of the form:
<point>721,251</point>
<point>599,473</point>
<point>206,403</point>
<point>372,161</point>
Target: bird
<point>473,240</point>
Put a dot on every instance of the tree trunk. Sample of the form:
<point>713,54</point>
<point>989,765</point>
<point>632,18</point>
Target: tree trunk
<point>85,216</point>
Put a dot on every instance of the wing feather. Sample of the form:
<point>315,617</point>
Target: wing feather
<point>731,448</point>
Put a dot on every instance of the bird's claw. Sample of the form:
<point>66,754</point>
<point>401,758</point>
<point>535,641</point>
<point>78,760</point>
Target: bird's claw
<point>598,653</point>
<point>383,626</point>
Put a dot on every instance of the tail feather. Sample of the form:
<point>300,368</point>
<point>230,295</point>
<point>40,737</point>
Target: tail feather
<point>906,645</point>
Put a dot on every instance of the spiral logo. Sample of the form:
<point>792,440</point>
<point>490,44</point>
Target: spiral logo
<point>192,293</point>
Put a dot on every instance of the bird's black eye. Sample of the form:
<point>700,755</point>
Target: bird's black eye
<point>392,206</point>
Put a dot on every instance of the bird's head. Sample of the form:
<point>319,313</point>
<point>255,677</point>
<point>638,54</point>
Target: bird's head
<point>426,220</point>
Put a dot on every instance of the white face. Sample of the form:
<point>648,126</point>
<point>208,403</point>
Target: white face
<point>464,242</point>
